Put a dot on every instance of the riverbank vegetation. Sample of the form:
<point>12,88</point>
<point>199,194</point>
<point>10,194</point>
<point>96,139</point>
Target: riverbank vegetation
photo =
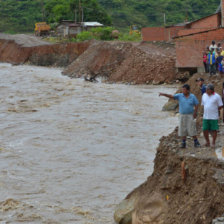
<point>100,33</point>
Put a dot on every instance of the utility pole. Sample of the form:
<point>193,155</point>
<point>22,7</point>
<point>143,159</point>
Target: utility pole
<point>164,16</point>
<point>42,9</point>
<point>82,14</point>
<point>75,15</point>
<point>80,9</point>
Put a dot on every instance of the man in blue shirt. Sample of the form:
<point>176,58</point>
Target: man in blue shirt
<point>188,107</point>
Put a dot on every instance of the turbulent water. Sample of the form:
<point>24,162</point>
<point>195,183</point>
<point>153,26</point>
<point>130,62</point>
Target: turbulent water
<point>71,150</point>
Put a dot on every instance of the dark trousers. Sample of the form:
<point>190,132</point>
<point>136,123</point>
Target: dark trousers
<point>212,69</point>
<point>206,67</point>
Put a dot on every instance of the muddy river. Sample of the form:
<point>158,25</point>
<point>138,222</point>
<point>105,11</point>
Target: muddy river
<point>71,150</point>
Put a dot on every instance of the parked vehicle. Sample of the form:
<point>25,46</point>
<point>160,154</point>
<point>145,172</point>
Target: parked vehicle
<point>42,28</point>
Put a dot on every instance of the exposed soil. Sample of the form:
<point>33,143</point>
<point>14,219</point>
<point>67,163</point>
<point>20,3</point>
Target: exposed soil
<point>24,40</point>
<point>187,186</point>
<point>20,49</point>
<point>135,63</point>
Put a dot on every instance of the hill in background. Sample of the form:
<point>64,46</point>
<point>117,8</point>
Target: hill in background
<point>21,15</point>
<point>151,13</point>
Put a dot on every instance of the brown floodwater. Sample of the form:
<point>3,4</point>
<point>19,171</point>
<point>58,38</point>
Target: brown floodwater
<point>71,150</point>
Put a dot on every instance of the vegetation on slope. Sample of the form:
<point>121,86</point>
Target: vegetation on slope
<point>151,13</point>
<point>21,15</point>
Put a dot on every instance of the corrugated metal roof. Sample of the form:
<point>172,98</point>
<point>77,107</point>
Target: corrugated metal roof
<point>92,24</point>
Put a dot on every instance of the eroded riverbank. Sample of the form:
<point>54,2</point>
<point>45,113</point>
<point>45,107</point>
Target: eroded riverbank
<point>71,150</point>
<point>187,185</point>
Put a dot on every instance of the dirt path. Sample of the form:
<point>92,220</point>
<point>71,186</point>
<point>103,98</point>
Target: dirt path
<point>206,152</point>
<point>24,40</point>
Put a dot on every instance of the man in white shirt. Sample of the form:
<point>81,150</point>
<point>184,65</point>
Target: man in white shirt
<point>212,103</point>
<point>213,46</point>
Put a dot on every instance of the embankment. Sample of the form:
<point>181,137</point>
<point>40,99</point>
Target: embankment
<point>20,49</point>
<point>183,188</point>
<point>187,185</point>
<point>136,63</point>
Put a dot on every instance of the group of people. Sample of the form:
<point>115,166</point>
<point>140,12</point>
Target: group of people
<point>188,109</point>
<point>213,59</point>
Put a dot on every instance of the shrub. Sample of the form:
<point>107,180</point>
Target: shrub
<point>103,33</point>
<point>85,35</point>
<point>130,37</point>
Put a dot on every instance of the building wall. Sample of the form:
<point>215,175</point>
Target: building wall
<point>189,49</point>
<point>160,33</point>
<point>153,34</point>
<point>190,31</point>
<point>173,31</point>
<point>209,22</point>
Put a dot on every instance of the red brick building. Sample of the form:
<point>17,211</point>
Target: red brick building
<point>203,24</point>
<point>193,40</point>
<point>169,32</point>
<point>161,33</point>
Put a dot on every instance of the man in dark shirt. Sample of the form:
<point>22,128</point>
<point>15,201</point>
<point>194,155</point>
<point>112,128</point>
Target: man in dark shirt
<point>219,62</point>
<point>201,85</point>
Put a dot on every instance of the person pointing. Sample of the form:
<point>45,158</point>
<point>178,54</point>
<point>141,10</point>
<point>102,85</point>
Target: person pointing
<point>188,108</point>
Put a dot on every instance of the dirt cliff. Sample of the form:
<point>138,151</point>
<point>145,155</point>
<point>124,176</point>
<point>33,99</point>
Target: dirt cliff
<point>187,185</point>
<point>20,49</point>
<point>135,63</point>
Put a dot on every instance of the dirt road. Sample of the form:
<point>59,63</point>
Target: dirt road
<point>24,40</point>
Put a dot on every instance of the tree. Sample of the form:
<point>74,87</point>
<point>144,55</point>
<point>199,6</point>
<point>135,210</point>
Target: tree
<point>57,10</point>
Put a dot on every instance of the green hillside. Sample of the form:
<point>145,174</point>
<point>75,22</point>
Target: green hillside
<point>21,15</point>
<point>151,12</point>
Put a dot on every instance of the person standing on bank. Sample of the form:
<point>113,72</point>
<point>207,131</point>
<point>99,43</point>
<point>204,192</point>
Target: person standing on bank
<point>212,62</point>
<point>188,108</point>
<point>212,103</point>
<point>213,46</point>
<point>223,101</point>
<point>201,85</point>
